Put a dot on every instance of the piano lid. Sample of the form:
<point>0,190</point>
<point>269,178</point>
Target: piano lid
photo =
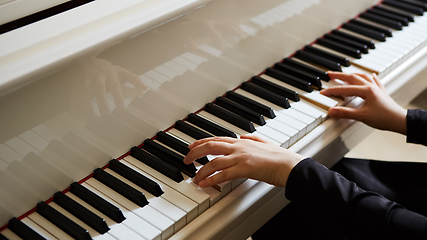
<point>14,9</point>
<point>42,47</point>
<point>96,87</point>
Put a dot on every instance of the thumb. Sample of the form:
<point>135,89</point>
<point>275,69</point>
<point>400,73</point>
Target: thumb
<point>343,112</point>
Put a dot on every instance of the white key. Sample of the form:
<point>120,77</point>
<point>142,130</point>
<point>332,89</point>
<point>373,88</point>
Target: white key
<point>92,232</point>
<point>285,129</point>
<point>217,192</point>
<point>118,230</point>
<point>310,109</point>
<point>156,213</point>
<point>223,123</point>
<point>123,232</point>
<point>38,229</point>
<point>314,97</point>
<point>199,197</point>
<point>170,194</point>
<point>133,220</point>
<point>274,134</point>
<point>266,138</point>
<point>214,195</point>
<point>300,126</point>
<point>48,226</point>
<point>10,235</point>
<point>237,130</point>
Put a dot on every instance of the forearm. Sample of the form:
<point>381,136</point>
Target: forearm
<point>331,198</point>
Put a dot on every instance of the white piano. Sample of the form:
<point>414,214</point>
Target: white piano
<point>85,86</point>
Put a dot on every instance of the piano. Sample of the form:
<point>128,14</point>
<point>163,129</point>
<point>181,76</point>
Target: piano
<point>98,104</point>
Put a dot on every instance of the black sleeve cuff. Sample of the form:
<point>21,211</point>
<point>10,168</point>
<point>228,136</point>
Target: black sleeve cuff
<point>327,195</point>
<point>416,124</point>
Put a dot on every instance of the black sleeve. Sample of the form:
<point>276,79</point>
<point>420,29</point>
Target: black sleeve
<point>416,125</point>
<point>330,197</point>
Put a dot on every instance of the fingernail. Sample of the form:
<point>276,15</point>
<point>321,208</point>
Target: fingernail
<point>202,183</point>
<point>195,180</point>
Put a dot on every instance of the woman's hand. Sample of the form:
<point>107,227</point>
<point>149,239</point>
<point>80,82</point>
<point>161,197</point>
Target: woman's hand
<point>379,110</point>
<point>248,157</point>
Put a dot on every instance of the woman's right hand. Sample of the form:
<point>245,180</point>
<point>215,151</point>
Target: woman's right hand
<point>247,157</point>
<point>379,110</point>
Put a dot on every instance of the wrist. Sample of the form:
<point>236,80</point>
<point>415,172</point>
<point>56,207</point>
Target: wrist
<point>401,126</point>
<point>292,160</point>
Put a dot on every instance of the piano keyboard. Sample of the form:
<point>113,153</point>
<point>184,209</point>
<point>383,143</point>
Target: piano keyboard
<point>149,193</point>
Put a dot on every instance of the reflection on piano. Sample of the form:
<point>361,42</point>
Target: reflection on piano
<point>137,81</point>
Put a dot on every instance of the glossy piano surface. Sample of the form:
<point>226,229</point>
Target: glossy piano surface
<point>77,94</point>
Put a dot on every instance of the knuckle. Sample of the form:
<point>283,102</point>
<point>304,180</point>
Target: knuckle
<point>214,163</point>
<point>211,144</point>
<point>224,175</point>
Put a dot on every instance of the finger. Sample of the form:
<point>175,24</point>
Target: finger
<point>215,165</point>
<point>257,139</point>
<point>254,138</point>
<point>368,78</point>
<point>378,81</point>
<point>223,176</point>
<point>344,112</point>
<point>345,90</point>
<point>209,148</point>
<point>204,140</point>
<point>347,77</point>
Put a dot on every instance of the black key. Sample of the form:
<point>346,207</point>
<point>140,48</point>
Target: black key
<point>289,79</point>
<point>404,14</point>
<point>342,48</point>
<point>240,110</point>
<point>62,222</point>
<point>388,32</point>
<point>251,104</point>
<point>97,202</point>
<point>270,86</point>
<point>405,6</point>
<point>178,145</point>
<point>191,131</point>
<point>172,142</point>
<point>369,43</point>
<point>417,3</point>
<point>344,61</point>
<point>362,47</point>
<point>120,187</point>
<point>209,126</point>
<point>157,164</point>
<point>365,31</point>
<point>170,157</point>
<point>230,117</point>
<point>266,94</point>
<point>135,177</point>
<point>311,58</point>
<point>309,69</point>
<point>382,20</point>
<point>81,212</point>
<point>389,15</point>
<point>22,230</point>
<point>304,75</point>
